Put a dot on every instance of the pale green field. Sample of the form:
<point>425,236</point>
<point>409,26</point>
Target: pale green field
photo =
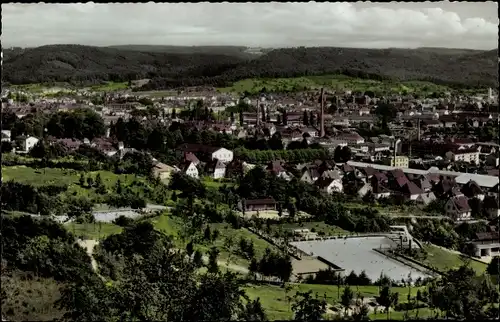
<point>274,298</point>
<point>444,260</point>
<point>338,82</point>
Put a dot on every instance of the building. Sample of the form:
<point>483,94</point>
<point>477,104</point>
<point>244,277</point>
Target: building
<point>28,143</point>
<point>190,169</point>
<point>6,135</point>
<point>217,169</point>
<point>400,161</point>
<point>206,153</point>
<point>458,208</point>
<point>162,171</point>
<point>257,205</point>
<point>470,155</point>
<point>486,245</point>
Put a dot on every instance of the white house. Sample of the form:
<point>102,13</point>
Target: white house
<point>223,155</point>
<point>6,136</point>
<point>28,143</point>
<point>217,169</point>
<point>329,185</point>
<point>465,155</point>
<point>191,170</point>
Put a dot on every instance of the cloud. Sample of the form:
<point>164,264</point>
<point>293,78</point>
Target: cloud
<point>247,24</point>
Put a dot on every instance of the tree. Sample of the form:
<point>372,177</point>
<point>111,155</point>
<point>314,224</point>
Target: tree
<point>197,259</point>
<point>90,181</point>
<point>387,299</point>
<point>212,265</point>
<point>118,186</point>
<point>82,180</point>
<point>253,267</point>
<point>346,299</point>
<point>494,266</point>
<point>253,311</point>
<point>306,308</point>
<point>190,248</point>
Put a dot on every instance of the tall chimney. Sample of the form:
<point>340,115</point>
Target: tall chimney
<point>258,113</point>
<point>322,115</point>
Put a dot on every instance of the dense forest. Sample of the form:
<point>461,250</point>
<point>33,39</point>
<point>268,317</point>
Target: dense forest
<point>169,68</point>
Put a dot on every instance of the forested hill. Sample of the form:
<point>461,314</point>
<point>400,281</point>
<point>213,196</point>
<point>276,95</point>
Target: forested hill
<point>237,51</point>
<point>172,69</point>
<point>61,63</point>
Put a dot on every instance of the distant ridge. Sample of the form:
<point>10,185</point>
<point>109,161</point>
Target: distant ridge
<point>174,66</point>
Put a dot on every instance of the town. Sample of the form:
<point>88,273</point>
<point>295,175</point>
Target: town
<point>394,164</point>
<point>253,161</point>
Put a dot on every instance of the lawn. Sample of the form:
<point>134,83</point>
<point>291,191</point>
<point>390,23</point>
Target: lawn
<point>227,232</point>
<point>211,183</point>
<point>337,82</point>
<point>444,260</point>
<point>93,230</point>
<point>273,298</point>
<point>38,177</point>
<point>56,176</point>
<point>316,226</point>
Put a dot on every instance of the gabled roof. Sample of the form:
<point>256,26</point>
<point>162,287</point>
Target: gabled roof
<point>471,189</point>
<point>401,181</point>
<point>189,156</point>
<point>332,174</point>
<point>461,203</point>
<point>396,173</point>
<point>411,189</point>
<point>275,166</point>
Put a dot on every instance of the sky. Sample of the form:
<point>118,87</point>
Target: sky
<point>471,25</point>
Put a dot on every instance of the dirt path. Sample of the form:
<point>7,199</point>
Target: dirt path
<point>89,245</point>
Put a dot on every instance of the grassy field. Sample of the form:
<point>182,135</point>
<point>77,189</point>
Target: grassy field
<point>55,176</point>
<point>109,87</point>
<point>337,82</point>
<point>171,225</point>
<point>444,260</point>
<point>274,298</point>
<point>93,230</point>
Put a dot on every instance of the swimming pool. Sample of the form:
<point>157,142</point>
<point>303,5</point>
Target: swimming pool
<point>357,254</point>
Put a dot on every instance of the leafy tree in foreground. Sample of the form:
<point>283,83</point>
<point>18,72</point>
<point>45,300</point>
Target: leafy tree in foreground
<point>307,308</point>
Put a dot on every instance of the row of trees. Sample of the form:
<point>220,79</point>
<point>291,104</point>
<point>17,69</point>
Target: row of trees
<point>295,156</point>
<point>79,124</point>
